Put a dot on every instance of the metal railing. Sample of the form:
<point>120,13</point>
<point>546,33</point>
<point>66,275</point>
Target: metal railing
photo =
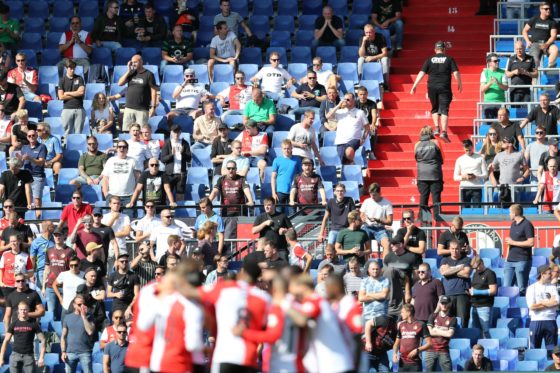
<point>523,7</point>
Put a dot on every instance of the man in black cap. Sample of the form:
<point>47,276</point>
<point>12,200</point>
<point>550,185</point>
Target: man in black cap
<point>542,300</point>
<point>511,164</point>
<point>470,171</point>
<point>442,328</point>
<point>555,366</point>
<point>123,286</point>
<point>439,67</point>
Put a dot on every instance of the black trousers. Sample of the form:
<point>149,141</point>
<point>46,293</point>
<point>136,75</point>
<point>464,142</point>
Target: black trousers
<point>427,187</point>
<point>461,307</point>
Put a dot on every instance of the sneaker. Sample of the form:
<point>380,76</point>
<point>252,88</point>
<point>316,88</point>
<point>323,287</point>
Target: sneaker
<point>436,131</point>
<point>399,48</point>
<point>444,137</point>
<point>371,157</point>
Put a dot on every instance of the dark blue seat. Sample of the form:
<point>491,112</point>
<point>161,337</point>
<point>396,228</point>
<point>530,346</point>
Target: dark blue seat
<point>16,9</point>
<point>40,9</point>
<point>206,23</point>
<point>340,7</point>
<point>347,71</point>
<point>328,54</point>
<point>251,56</point>
<point>151,56</point>
<point>164,8</point>
<point>241,7</point>
<point>53,38</point>
<point>328,173</point>
<point>353,37</point>
<point>88,8</point>
<point>201,53</point>
<point>349,54</point>
<point>361,7</point>
<point>307,22</point>
<point>288,7</point>
<point>284,23</point>
<point>173,74</point>
<point>358,21</point>
<point>301,55</point>
<point>304,38</point>
<point>34,24</point>
<point>280,39</point>
<point>58,23</point>
<point>313,7</point>
<point>263,8</point>
<point>34,109</point>
<point>31,40</point>
<point>123,55</point>
<point>87,23</point>
<point>185,122</point>
<point>198,175</point>
<point>102,56</point>
<point>211,7</point>
<point>63,8</point>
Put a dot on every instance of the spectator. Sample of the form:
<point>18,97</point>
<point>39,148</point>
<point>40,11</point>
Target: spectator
<point>119,221</point>
<point>387,18</point>
<point>24,330</point>
<point>471,171</point>
<point>154,145</point>
<point>26,295</point>
<point>484,287</point>
<point>143,265</point>
<point>53,160</point>
<point>175,246</point>
<point>254,145</point>
<point>414,238</point>
<point>110,244</point>
<point>376,213</point>
<point>369,108</point>
<point>130,12</point>
<point>233,191</point>
<point>260,110</point>
<point>309,94</point>
<point>177,49</point>
<point>5,58</point>
<point>38,250</point>
<point>512,165</point>
<point>94,294</point>
<point>521,70</point>
<point>26,78</point>
<point>409,333</point>
<point>232,19</point>
<point>75,45</point>
<point>207,214</point>
<point>69,282</point>
<point>141,95</point>
<point>298,255</point>
<point>257,255</point>
<point>242,163</point>
<point>7,208</point>
<point>6,126</point>
<point>491,145</point>
<point>75,211</point>
<point>272,78</point>
<point>323,274</point>
<point>274,226</point>
<point>374,292</point>
<point>273,258</point>
<point>545,115</point>
<point>439,67</point>
<point>307,186</point>
<point>188,96</point>
<point>534,150</point>
<point>555,366</point>
<point>93,261</point>
<point>548,186</point>
<point>76,341</point>
<point>108,28</point>
<point>542,300</point>
<point>221,149</point>
<point>11,28</point>
<point>352,128</point>
<point>325,77</point>
<point>546,156</point>
<point>353,278</point>
<point>14,262</point>
<point>21,230</point>
<point>57,261</point>
<point>154,186</point>
<point>225,48</point>
<point>543,31</point>
<point>333,260</point>
<point>329,30</point>
<point>71,90</point>
<point>456,233</point>
<point>479,362</point>
<point>33,156</point>
<point>20,126</point>
<point>151,29</point>
<point>159,236</point>
<point>337,211</point>
<point>456,272</point>
<point>115,351</point>
<point>327,105</point>
<point>236,95</point>
<point>442,328</point>
<point>123,285</point>
<point>206,126</point>
<point>304,139</point>
<point>13,98</point>
<point>221,273</point>
<point>147,224</point>
<point>426,292</point>
<point>284,171</point>
<point>82,235</point>
<point>90,164</point>
<point>429,162</point>
<point>493,84</point>
<point>120,174</point>
<point>175,155</point>
<point>353,241</point>
<point>102,116</point>
<point>373,48</point>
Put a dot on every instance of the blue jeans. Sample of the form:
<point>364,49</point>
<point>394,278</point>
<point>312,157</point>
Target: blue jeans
<point>338,43</point>
<point>331,238</point>
<point>376,233</point>
<point>396,28</point>
<point>72,363</point>
<point>482,319</point>
<point>53,303</point>
<point>521,271</point>
<point>112,45</point>
<point>378,363</point>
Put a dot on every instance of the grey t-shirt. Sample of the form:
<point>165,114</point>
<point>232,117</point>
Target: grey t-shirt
<point>233,21</point>
<point>535,150</point>
<point>78,340</point>
<point>301,135</point>
<point>509,166</point>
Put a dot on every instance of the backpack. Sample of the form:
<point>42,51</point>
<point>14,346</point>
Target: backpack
<point>384,334</point>
<point>505,195</point>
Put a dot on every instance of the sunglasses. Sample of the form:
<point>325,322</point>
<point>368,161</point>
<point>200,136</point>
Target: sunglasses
<point>159,273</point>
<point>8,206</point>
<point>239,77</point>
<point>123,261</point>
<point>149,206</point>
<point>122,146</point>
<point>121,332</point>
<point>545,9</point>
<point>92,143</point>
<point>316,64</point>
<point>539,132</point>
<point>154,165</point>
<point>275,59</point>
<point>492,134</point>
<point>232,168</point>
<point>311,78</point>
<point>407,218</point>
<point>40,130</point>
<point>20,60</point>
<point>76,197</point>
<point>495,61</point>
<point>79,304</point>
<point>167,217</point>
<point>118,317</point>
<point>31,136</point>
<point>74,265</point>
<point>20,281</point>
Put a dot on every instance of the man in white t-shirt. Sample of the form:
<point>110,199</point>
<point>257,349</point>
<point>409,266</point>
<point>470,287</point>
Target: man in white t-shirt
<point>303,137</point>
<point>376,213</point>
<point>273,77</point>
<point>159,236</point>
<point>69,280</point>
<point>352,127</point>
<point>119,222</point>
<point>224,48</point>
<point>188,95</point>
<point>324,77</point>
<point>137,149</point>
<point>542,301</point>
<point>120,174</point>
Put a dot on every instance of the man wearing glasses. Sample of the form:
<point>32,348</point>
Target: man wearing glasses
<point>143,265</point>
<point>543,31</point>
<point>146,225</point>
<point>33,156</point>
<point>237,95</point>
<point>115,351</point>
<point>74,211</point>
<point>90,164</point>
<point>309,94</point>
<point>53,145</point>
<point>534,150</point>
<point>75,46</point>
<point>545,115</point>
<point>68,281</point>
<point>119,222</point>
<point>426,292</point>
<point>154,185</point>
<point>221,148</point>
<point>108,28</point>
<point>272,77</point>
<point>120,174</point>
<point>23,293</point>
<point>25,77</point>
<point>493,83</point>
<point>414,238</point>
<point>188,96</point>
<point>325,77</point>
<point>158,237</point>
<point>12,262</point>
<point>123,286</point>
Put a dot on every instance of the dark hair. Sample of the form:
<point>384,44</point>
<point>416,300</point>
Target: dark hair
<point>220,24</point>
<point>70,63</point>
<point>175,128</point>
<point>490,56</point>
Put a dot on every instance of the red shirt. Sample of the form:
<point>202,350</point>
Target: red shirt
<point>16,77</point>
<point>5,223</point>
<point>140,342</point>
<point>12,263</point>
<point>58,261</point>
<point>71,215</point>
<point>250,143</point>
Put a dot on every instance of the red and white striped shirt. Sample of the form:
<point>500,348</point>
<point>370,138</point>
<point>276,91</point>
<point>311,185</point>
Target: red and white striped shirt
<point>75,51</point>
<point>12,263</point>
<point>140,341</point>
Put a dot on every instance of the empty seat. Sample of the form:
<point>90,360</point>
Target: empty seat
<point>288,7</point>
<point>173,74</point>
<point>34,24</point>
<point>201,72</point>
<point>63,8</point>
<point>102,56</point>
<point>372,71</point>
<point>347,71</point>
<point>58,24</point>
<point>251,56</point>
<point>284,23</point>
<point>263,8</point>
<point>281,39</point>
<point>304,37</point>
<point>302,55</point>
<point>352,173</point>
<point>512,292</point>
<point>223,73</point>
<point>123,55</point>
<point>31,40</point>
<point>87,8</point>
<point>40,9</point>
<point>536,354</point>
<point>328,54</point>
<point>67,174</point>
<point>463,345</point>
<point>198,175</point>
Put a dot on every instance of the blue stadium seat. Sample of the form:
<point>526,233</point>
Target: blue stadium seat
<point>198,175</point>
<point>358,21</point>
<point>340,7</point>
<point>50,57</point>
<point>118,71</point>
<point>104,141</point>
<point>200,53</point>
<point>253,176</point>
<point>312,7</point>
<point>31,57</point>
<point>52,40</point>
<point>279,136</point>
<point>288,7</point>
<point>328,173</point>
<point>352,189</point>
<point>520,315</point>
<point>87,8</point>
<point>527,366</point>
<point>304,38</point>
<point>154,69</point>
<point>92,89</point>
<point>173,74</point>
<point>284,122</point>
<point>511,356</point>
<point>517,343</point>
<point>34,24</point>
<point>123,56</point>
<point>297,70</point>
<point>307,22</point>
<point>521,302</point>
<point>67,174</point>
<point>223,73</point>
<point>491,347</point>
<point>34,109</point>
<point>512,292</point>
<point>63,8</point>
<point>328,54</point>
<point>328,138</point>
<point>502,303</point>
<point>58,24</point>
<point>151,56</point>
<point>372,71</point>
<point>203,38</point>
<point>535,354</point>
<point>194,192</point>
<point>259,25</point>
<point>463,345</point>
<point>301,55</point>
<point>501,334</point>
<point>491,253</point>
<point>522,333</point>
<point>102,56</point>
<point>373,89</point>
<point>54,108</point>
<point>166,91</point>
<point>218,87</point>
<point>76,142</point>
<point>63,194</point>
<point>263,8</point>
<point>353,37</point>
<point>87,23</point>
<point>185,122</point>
<point>206,23</point>
<point>164,7</point>
<point>201,158</point>
<point>16,10</point>
<point>361,7</point>
<point>56,126</point>
<point>211,7</point>
<point>348,54</point>
<point>250,69</point>
<point>472,334</point>
<point>163,108</point>
<point>251,56</point>
<point>201,72</point>
<point>351,173</point>
<point>347,71</point>
<point>542,251</point>
<point>284,23</point>
<point>31,40</point>
<point>280,39</point>
<point>40,9</point>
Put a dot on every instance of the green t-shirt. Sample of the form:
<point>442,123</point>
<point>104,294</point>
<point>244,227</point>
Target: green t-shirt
<point>350,239</point>
<point>259,113</point>
<point>175,49</point>
<point>93,164</point>
<point>13,26</point>
<point>494,93</point>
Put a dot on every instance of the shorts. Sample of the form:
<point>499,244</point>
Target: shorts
<point>30,96</point>
<point>254,160</point>
<point>440,99</point>
<point>341,149</point>
<point>83,181</point>
<point>183,111</point>
<point>132,116</point>
<point>375,233</point>
<point>37,187</point>
<point>331,238</point>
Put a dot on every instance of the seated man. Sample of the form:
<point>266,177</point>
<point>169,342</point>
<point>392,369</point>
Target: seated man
<point>11,34</point>
<point>325,77</point>
<point>373,48</point>
<point>545,115</point>
<point>53,159</point>
<point>206,126</point>
<point>387,18</point>
<point>90,164</point>
<point>309,94</point>
<point>273,77</point>
<point>260,110</point>
<point>221,148</point>
<point>241,162</point>
<point>237,95</point>
<point>328,30</point>
<point>151,29</point>
<point>224,48</point>
<point>543,30</point>
<point>26,78</point>
<point>521,69</point>
<point>108,29</point>
<point>176,50</point>
<point>189,95</point>
<point>75,45</point>
<point>254,145</point>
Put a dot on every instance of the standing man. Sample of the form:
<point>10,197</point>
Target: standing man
<point>439,67</point>
<point>337,211</point>
<point>511,164</point>
<point>123,286</point>
<point>15,185</point>
<point>12,263</point>
<point>232,19</point>
<point>115,351</point>
<point>506,128</point>
<point>76,342</point>
<point>71,90</point>
<point>534,150</point>
<point>33,156</point>
<point>141,94</point>
<point>493,84</point>
<point>471,171</point>
<point>353,241</point>
<point>307,186</point>
<point>119,222</point>
<point>57,261</point>
<point>75,45</point>
<point>329,30</point>
<point>224,48</point>
<point>273,225</point>
<point>284,170</point>
<point>543,31</point>
<point>456,272</point>
<point>442,328</point>
<point>154,186</point>
<point>23,294</point>
<point>521,70</point>
<point>484,287</point>
<point>74,212</point>
<point>542,300</point>
<point>68,281</point>
<point>38,250</point>
<point>233,190</point>
<point>409,333</point>
<point>426,292</point>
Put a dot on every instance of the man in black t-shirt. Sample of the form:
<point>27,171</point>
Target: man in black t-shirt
<point>543,31</point>
<point>329,30</point>
<point>521,69</point>
<point>478,362</point>
<point>123,286</point>
<point>387,18</point>
<point>108,28</point>
<point>141,95</point>
<point>273,225</point>
<point>337,211</point>
<point>232,190</point>
<point>456,270</point>
<point>545,115</point>
<point>10,95</point>
<point>309,94</point>
<point>414,238</point>
<point>154,185</point>
<point>17,228</point>
<point>455,232</point>
<point>521,241</point>
<point>483,289</point>
<point>551,153</point>
<point>373,48</point>
<point>369,107</point>
<point>439,67</point>
<point>23,294</point>
<point>221,148</point>
<point>92,260</point>
<point>15,184</point>
<point>71,90</point>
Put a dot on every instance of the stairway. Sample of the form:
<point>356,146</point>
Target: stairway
<point>467,35</point>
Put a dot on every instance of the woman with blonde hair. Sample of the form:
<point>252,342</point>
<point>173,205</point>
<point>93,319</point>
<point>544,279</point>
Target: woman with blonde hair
<point>206,242</point>
<point>102,116</point>
<point>20,126</point>
<point>429,161</point>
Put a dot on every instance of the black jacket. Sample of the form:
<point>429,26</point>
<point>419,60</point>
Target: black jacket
<point>99,26</point>
<point>167,156</point>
